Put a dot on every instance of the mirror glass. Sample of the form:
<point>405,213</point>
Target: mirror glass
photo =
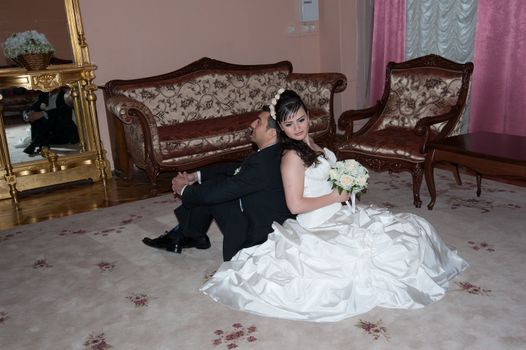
<point>19,16</point>
<point>40,119</point>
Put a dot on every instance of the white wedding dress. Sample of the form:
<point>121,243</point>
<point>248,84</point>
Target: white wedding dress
<point>328,264</point>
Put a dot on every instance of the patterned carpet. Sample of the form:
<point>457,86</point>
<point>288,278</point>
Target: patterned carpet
<point>87,282</point>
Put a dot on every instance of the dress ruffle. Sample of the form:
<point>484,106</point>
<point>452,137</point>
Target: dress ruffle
<point>345,267</point>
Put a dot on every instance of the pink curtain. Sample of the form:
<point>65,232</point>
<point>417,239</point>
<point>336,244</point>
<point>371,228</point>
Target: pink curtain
<point>498,98</point>
<point>388,41</point>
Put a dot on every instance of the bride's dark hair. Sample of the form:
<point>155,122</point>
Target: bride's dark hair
<point>287,105</point>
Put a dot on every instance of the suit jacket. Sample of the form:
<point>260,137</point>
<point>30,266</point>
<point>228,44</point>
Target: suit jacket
<point>62,110</point>
<point>257,183</point>
<point>59,127</point>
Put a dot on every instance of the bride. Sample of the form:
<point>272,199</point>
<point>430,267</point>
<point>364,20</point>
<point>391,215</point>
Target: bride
<point>328,264</point>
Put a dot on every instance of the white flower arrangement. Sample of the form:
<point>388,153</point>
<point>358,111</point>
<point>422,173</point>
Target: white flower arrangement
<point>28,42</point>
<point>349,175</point>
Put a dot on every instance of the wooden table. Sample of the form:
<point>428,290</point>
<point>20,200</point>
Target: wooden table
<point>486,153</point>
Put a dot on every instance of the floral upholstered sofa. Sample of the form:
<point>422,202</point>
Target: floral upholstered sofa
<point>200,114</point>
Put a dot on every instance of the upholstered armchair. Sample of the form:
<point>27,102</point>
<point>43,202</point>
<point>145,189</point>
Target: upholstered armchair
<point>423,100</point>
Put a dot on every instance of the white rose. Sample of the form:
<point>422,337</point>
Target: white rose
<point>362,181</point>
<point>346,181</point>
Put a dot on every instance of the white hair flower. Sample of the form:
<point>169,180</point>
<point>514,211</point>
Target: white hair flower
<point>274,102</point>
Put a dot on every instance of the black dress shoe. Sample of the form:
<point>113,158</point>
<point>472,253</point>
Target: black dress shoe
<point>177,244</point>
<point>162,242</point>
<point>30,149</point>
<point>199,243</point>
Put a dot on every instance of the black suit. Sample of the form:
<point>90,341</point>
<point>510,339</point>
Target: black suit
<point>259,188</point>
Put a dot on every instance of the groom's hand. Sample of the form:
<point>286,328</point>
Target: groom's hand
<point>190,177</point>
<point>179,183</point>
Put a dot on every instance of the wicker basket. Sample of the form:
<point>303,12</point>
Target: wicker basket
<point>34,61</point>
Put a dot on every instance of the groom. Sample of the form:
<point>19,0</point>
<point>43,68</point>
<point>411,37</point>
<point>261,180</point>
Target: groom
<point>244,200</point>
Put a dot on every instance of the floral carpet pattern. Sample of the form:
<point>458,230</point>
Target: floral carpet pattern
<point>88,282</point>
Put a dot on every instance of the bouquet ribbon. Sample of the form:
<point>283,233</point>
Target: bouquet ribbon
<point>352,204</point>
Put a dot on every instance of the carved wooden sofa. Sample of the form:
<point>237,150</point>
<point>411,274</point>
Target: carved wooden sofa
<point>423,100</point>
<point>200,114</point>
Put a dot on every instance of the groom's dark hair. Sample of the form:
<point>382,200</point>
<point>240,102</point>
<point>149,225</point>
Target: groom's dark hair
<point>271,121</point>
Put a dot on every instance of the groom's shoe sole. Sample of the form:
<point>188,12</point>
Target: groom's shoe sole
<point>200,243</point>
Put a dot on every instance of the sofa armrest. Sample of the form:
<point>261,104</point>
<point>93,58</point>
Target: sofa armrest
<point>131,112</point>
<point>127,109</point>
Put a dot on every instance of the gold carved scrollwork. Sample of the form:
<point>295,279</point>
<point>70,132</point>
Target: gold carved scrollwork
<point>10,179</point>
<point>82,40</point>
<point>46,82</point>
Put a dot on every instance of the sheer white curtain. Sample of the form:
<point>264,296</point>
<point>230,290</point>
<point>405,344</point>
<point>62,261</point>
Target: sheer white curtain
<point>365,10</point>
<point>442,27</point>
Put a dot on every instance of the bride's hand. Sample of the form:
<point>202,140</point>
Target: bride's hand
<point>343,197</point>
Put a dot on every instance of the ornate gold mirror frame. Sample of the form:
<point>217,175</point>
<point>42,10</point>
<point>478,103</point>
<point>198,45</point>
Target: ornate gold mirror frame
<point>51,169</point>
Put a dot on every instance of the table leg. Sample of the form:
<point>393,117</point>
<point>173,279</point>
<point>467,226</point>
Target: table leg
<point>479,183</point>
<point>457,176</point>
<point>430,180</point>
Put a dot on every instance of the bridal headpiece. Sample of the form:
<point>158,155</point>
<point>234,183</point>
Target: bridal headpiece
<point>274,102</point>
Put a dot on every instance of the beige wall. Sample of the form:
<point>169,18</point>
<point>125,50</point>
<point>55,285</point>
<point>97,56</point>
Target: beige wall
<point>136,38</point>
<point>338,33</point>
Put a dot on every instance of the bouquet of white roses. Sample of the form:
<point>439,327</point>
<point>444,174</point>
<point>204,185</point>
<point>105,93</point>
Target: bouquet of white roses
<point>349,175</point>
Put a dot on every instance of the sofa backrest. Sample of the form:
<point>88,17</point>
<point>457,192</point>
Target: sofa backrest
<point>207,90</point>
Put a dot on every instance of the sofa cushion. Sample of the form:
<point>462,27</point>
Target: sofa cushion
<point>202,138</point>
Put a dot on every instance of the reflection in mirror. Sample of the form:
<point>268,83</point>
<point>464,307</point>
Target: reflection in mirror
<point>20,16</point>
<point>40,119</point>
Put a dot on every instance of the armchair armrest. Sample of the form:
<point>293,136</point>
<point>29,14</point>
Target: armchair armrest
<point>347,119</point>
<point>423,126</point>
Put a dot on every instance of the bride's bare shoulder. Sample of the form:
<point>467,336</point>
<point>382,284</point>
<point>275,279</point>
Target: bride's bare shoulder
<point>290,158</point>
<point>290,155</point>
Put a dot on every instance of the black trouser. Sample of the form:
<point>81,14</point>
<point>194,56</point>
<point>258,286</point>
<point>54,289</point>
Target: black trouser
<point>196,221</point>
<point>55,130</point>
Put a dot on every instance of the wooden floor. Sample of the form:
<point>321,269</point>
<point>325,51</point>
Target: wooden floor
<point>64,200</point>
